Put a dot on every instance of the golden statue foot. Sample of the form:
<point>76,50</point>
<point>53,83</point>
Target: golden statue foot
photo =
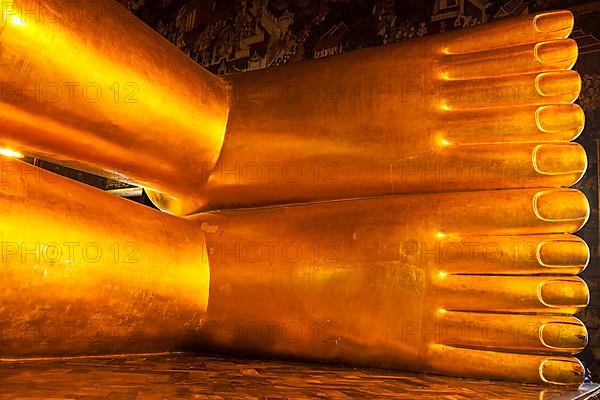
<point>477,284</point>
<point>484,108</point>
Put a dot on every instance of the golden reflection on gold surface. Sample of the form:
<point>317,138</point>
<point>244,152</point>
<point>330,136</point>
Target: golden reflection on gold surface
<point>10,153</point>
<point>185,376</point>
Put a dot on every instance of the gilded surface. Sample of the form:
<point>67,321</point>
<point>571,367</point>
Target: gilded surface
<point>415,275</point>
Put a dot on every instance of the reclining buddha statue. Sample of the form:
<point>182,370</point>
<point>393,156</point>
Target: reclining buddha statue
<point>405,206</point>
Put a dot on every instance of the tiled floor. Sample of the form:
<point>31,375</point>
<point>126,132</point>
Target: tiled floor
<point>199,377</point>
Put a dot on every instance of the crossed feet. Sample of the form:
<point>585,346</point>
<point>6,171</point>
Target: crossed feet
<point>497,95</point>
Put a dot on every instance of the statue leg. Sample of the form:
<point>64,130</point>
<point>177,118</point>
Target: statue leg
<point>483,108</point>
<point>85,272</point>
